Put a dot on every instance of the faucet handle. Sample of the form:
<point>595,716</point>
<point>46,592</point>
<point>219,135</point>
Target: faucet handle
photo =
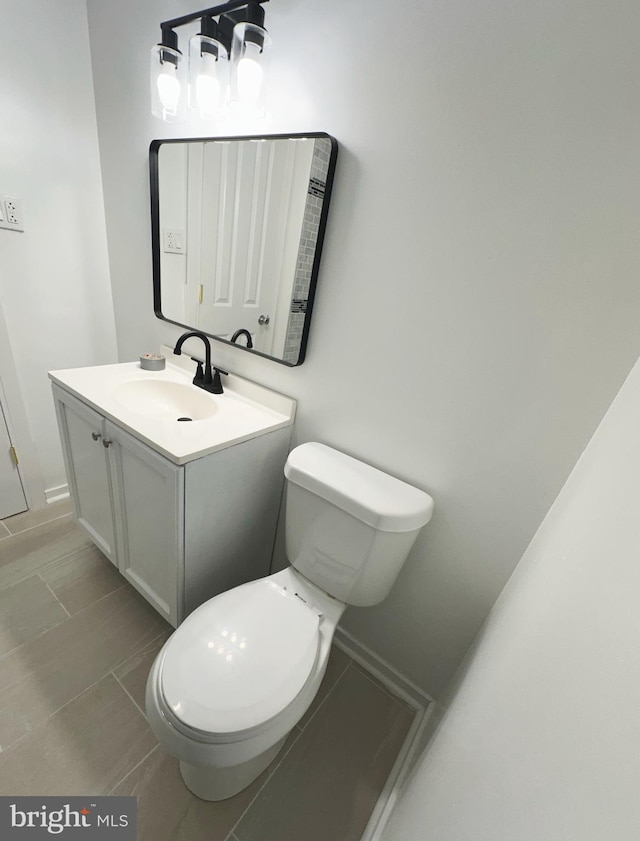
<point>217,382</point>
<point>199,377</point>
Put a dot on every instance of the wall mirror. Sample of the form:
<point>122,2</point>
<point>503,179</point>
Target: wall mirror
<point>237,231</point>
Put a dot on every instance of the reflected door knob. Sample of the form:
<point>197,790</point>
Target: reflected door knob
<point>263,319</point>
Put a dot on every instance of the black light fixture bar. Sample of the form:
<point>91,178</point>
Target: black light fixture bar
<point>214,11</point>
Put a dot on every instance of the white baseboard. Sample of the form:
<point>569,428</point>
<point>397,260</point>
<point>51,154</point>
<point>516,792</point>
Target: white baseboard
<point>57,493</point>
<point>397,683</point>
<point>422,704</point>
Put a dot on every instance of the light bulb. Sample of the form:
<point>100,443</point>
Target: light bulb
<point>208,74</point>
<point>207,93</point>
<point>168,87</point>
<point>167,83</point>
<point>250,75</point>
<point>250,50</point>
<point>207,86</point>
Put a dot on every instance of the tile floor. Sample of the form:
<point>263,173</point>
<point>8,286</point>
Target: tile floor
<point>76,644</point>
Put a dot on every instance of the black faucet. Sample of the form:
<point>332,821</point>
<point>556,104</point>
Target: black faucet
<point>203,379</point>
<point>243,332</point>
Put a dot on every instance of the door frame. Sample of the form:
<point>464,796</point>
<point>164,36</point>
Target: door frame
<point>17,423</point>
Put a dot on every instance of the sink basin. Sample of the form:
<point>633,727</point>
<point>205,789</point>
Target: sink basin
<point>150,406</point>
<point>165,400</point>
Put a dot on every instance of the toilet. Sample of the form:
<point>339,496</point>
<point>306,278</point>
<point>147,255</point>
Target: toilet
<point>238,674</point>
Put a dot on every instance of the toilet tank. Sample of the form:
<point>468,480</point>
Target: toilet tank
<point>349,526</point>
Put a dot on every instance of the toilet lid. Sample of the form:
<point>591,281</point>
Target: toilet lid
<point>240,658</point>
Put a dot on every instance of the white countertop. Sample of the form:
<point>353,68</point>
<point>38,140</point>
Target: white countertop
<point>244,411</point>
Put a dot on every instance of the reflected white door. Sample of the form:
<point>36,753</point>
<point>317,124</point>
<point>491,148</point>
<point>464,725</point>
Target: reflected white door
<point>12,498</point>
<point>244,243</point>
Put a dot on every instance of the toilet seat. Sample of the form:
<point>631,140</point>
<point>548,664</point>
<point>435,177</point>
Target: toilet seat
<point>239,660</point>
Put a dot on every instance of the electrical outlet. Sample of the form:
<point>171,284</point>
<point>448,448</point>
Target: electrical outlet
<point>173,240</point>
<point>11,213</point>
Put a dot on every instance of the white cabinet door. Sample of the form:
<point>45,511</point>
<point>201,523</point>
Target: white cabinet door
<point>81,431</point>
<point>148,498</point>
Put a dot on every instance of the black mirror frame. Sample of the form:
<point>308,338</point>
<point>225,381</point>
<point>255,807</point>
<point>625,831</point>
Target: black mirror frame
<point>154,148</point>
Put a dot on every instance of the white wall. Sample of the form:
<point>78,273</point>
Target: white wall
<point>478,301</point>
<point>540,740</point>
<point>54,279</point>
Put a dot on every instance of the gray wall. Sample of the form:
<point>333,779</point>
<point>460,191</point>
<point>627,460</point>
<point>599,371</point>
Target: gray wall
<point>478,302</point>
<point>55,293</point>
<point>536,742</point>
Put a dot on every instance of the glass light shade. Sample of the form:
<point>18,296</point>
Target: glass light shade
<point>168,89</point>
<point>208,75</point>
<point>250,53</point>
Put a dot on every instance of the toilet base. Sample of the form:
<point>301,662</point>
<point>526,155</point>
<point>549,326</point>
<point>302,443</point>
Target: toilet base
<point>209,783</point>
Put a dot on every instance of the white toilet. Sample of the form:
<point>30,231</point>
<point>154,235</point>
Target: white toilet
<point>239,673</point>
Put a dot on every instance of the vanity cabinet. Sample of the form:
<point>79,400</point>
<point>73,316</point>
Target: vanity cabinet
<point>179,533</point>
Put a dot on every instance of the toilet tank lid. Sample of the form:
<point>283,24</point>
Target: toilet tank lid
<point>375,498</point>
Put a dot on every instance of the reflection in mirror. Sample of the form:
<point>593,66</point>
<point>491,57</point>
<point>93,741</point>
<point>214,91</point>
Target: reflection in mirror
<point>237,227</point>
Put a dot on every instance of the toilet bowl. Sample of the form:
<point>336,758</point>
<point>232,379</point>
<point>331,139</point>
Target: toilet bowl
<point>230,727</point>
<point>238,674</point>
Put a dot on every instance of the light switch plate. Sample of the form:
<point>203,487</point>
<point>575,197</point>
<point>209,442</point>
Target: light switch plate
<point>174,240</point>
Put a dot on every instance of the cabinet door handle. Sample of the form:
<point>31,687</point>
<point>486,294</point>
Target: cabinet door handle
<point>96,436</point>
<point>105,442</point>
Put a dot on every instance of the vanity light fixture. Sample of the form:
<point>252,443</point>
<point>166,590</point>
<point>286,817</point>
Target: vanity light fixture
<point>227,63</point>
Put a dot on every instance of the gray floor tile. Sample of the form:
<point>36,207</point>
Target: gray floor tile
<point>290,741</point>
<point>4,531</point>
<point>133,673</point>
<point>30,551</point>
<point>167,811</point>
<point>329,782</point>
<point>46,673</point>
<point>82,579</point>
<point>338,662</point>
<point>85,748</point>
<point>29,519</point>
<point>26,610</point>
